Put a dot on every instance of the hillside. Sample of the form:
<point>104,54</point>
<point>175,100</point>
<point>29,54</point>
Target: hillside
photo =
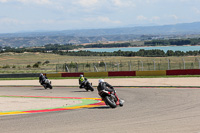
<point>29,39</point>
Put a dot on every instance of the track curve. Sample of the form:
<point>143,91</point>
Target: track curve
<point>146,110</point>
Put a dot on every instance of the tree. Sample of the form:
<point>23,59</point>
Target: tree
<point>170,53</point>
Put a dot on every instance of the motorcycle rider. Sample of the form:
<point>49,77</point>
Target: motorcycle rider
<point>107,87</point>
<point>82,81</point>
<point>104,86</point>
<point>42,78</point>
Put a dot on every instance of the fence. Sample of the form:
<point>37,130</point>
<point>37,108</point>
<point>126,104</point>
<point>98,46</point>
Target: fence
<point>139,65</point>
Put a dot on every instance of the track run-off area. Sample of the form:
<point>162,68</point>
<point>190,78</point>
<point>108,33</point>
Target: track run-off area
<point>10,103</point>
<point>70,109</point>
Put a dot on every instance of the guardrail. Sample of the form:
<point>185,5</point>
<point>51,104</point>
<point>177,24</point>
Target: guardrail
<point>109,74</point>
<point>23,75</point>
<point>132,73</point>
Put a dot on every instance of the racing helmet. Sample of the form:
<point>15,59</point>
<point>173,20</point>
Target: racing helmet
<point>101,80</point>
<point>81,75</point>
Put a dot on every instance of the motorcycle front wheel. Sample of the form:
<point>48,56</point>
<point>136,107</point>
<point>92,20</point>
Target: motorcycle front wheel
<point>90,87</point>
<point>50,86</point>
<point>110,101</point>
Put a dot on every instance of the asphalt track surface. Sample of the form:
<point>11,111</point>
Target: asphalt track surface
<point>146,110</point>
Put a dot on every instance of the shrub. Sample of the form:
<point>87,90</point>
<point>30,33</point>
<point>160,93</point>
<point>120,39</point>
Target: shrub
<point>46,62</point>
<point>36,65</point>
<point>101,64</point>
<point>72,65</point>
<point>6,66</point>
<point>39,62</point>
<point>28,66</point>
<point>87,65</point>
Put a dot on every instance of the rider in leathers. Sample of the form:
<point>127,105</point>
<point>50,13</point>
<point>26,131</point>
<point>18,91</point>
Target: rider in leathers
<point>107,87</point>
<point>42,78</point>
<point>104,86</point>
<point>82,81</point>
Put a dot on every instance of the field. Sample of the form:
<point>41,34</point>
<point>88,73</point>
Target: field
<point>24,62</point>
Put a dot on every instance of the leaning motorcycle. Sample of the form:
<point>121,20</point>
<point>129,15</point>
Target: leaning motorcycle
<point>88,86</point>
<point>110,98</point>
<point>47,84</point>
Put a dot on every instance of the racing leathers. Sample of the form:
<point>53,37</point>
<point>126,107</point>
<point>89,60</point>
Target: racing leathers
<point>82,81</point>
<point>42,79</point>
<point>105,86</point>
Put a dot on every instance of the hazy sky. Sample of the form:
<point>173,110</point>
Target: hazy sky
<point>32,15</point>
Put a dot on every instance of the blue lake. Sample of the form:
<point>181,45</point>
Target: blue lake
<point>135,49</point>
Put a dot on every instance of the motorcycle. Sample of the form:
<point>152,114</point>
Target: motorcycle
<point>47,84</point>
<point>88,86</point>
<point>110,98</point>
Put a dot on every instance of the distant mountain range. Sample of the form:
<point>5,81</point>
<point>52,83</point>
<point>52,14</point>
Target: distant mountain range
<point>28,39</point>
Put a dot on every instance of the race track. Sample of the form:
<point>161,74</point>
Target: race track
<point>146,110</point>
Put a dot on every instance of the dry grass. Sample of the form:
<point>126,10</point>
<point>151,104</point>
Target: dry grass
<point>18,62</point>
